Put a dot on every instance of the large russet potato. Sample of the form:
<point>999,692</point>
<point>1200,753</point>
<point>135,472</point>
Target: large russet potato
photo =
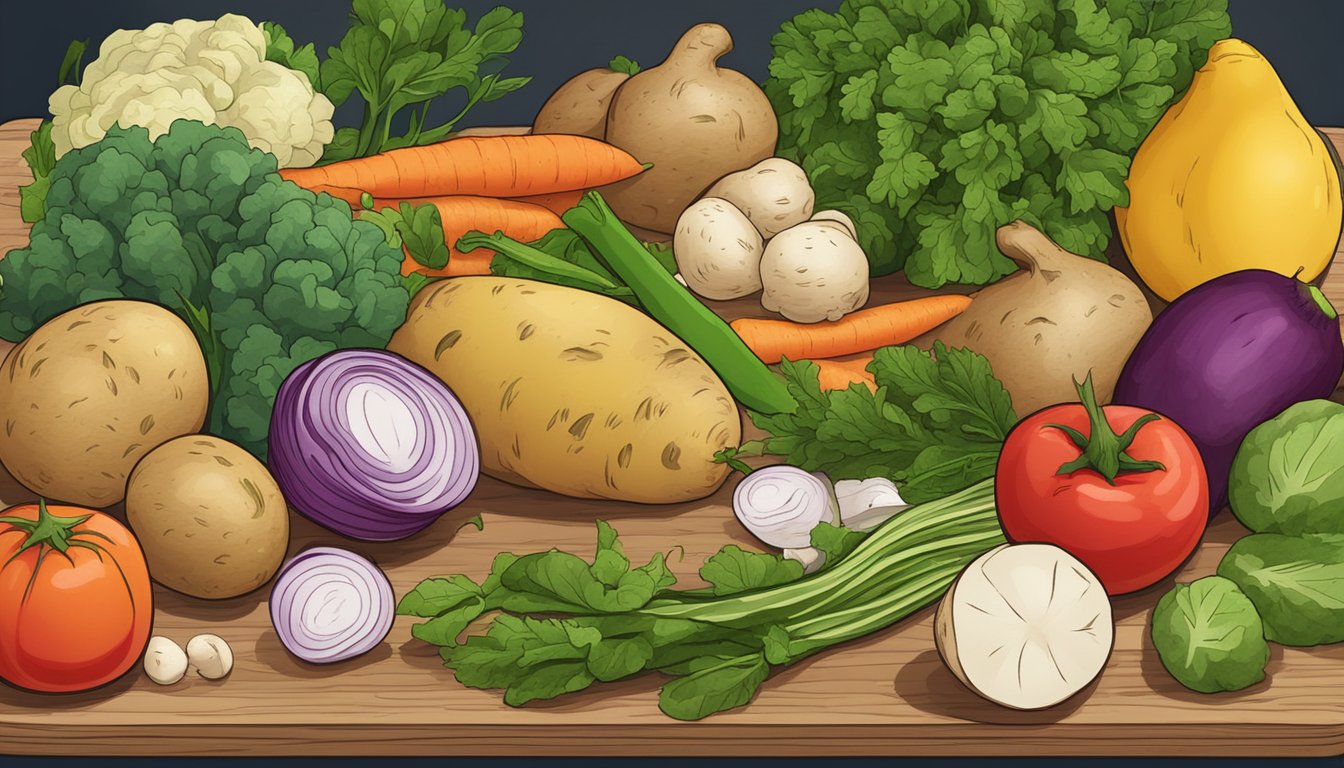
<point>94,389</point>
<point>574,392</point>
<point>210,518</point>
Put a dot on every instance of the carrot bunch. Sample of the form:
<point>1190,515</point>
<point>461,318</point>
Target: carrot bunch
<point>517,185</point>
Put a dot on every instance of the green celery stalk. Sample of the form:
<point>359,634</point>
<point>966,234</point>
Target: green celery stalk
<point>748,379</point>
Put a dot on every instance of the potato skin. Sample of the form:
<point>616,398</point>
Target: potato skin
<point>580,105</point>
<point>210,518</point>
<point>94,389</point>
<point>574,392</point>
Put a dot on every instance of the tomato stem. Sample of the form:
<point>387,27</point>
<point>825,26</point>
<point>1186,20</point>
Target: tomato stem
<point>50,533</point>
<point>1103,451</point>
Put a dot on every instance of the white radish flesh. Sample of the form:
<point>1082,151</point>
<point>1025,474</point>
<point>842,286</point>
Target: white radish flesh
<point>1025,626</point>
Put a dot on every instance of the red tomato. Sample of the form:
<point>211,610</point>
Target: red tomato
<point>75,599</point>
<point>1131,530</point>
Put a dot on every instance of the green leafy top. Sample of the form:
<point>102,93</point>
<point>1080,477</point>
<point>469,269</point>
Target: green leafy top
<point>934,425</point>
<point>402,55</point>
<point>281,49</point>
<point>932,124</point>
<point>623,64</point>
<point>267,274</point>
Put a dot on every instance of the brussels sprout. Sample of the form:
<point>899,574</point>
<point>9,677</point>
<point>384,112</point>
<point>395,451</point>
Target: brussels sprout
<point>1209,636</point>
<point>1288,475</point>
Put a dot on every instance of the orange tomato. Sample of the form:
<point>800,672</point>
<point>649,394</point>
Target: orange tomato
<point>76,605</point>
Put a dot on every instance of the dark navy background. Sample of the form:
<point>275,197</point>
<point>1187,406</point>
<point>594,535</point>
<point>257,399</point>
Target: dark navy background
<point>561,37</point>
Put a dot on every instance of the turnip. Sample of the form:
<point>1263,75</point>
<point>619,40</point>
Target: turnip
<point>1025,626</point>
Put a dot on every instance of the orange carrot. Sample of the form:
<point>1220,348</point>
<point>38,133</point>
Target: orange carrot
<point>839,374</point>
<point>461,214</point>
<point>862,331</point>
<point>491,166</point>
<point>347,194</point>
<point>557,202</point>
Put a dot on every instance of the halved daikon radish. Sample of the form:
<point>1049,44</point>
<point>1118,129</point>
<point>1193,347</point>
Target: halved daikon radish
<point>1025,626</point>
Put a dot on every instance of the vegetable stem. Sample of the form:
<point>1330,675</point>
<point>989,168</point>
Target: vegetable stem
<point>1103,451</point>
<point>748,379</point>
<point>538,260</point>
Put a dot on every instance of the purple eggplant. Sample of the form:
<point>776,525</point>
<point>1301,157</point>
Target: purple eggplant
<point>1232,353</point>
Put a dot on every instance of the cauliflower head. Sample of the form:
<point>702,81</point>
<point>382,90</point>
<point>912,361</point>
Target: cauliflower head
<point>214,72</point>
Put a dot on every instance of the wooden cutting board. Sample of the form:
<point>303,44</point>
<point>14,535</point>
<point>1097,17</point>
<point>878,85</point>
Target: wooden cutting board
<point>888,694</point>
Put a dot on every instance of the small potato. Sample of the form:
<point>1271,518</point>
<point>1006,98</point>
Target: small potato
<point>837,217</point>
<point>814,271</point>
<point>209,517</point>
<point>574,392</point>
<point>93,390</point>
<point>774,194</point>
<point>718,251</point>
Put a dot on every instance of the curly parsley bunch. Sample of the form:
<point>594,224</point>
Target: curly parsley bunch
<point>933,122</point>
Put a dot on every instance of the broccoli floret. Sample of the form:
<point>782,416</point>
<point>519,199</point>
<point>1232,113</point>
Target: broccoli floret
<point>267,274</point>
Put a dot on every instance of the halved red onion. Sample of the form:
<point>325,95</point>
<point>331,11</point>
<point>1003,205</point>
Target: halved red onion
<point>330,605</point>
<point>371,445</point>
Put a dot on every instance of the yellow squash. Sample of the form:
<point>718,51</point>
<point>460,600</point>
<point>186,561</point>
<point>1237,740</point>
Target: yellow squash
<point>1232,178</point>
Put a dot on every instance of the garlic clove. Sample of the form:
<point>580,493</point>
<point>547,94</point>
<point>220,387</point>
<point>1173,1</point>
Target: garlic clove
<point>210,655</point>
<point>866,504</point>
<point>165,662</point>
<point>811,558</point>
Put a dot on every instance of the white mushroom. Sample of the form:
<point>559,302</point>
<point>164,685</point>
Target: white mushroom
<point>839,218</point>
<point>718,251</point>
<point>774,194</point>
<point>165,661</point>
<point>210,655</point>
<point>814,271</point>
<point>1025,626</point>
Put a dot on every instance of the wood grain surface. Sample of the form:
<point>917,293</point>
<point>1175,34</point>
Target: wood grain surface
<point>888,694</point>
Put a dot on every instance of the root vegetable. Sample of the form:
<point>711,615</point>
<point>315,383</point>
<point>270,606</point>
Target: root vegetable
<point>165,661</point>
<point>695,122</point>
<point>814,271</point>
<point>718,251</point>
<point>210,655</point>
<point>1025,626</point>
<point>209,516</point>
<point>862,331</point>
<point>774,194</point>
<point>1059,317</point>
<point>838,218</point>
<point>574,392</point>
<point>781,505</point>
<point>579,106</point>
<point>94,389</point>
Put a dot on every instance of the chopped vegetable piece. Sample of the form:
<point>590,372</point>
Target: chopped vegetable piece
<point>781,505</point>
<point>330,605</point>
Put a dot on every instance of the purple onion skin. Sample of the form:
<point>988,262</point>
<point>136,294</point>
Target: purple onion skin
<point>1229,355</point>
<point>328,480</point>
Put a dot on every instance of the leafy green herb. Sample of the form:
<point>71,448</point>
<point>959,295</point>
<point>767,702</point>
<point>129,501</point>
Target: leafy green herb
<point>935,424</point>
<point>417,228</point>
<point>932,124</point>
<point>402,55</point>
<point>1295,582</point>
<point>623,64</point>
<point>1209,636</point>
<point>41,158</point>
<point>567,623</point>
<point>1288,474</point>
<point>281,49</point>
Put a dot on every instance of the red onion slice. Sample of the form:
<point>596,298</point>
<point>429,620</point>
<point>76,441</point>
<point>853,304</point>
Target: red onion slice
<point>329,605</point>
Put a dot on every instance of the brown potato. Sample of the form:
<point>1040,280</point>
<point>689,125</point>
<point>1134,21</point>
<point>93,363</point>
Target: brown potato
<point>210,518</point>
<point>94,389</point>
<point>574,392</point>
<point>694,121</point>
<point>579,107</point>
<point>1057,319</point>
